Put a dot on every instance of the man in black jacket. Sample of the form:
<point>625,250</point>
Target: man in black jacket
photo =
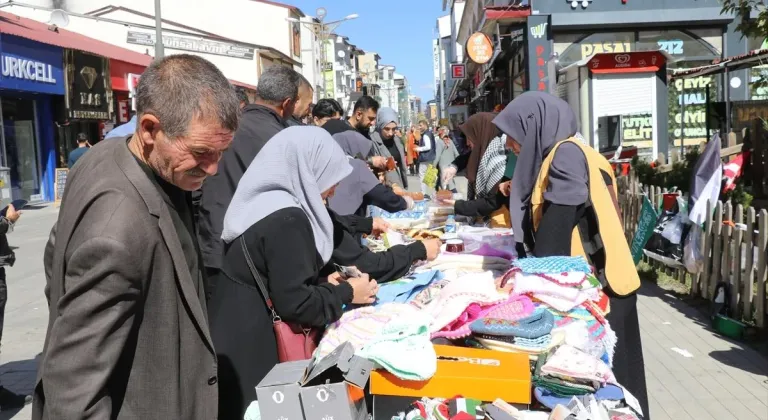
<point>301,110</point>
<point>276,97</point>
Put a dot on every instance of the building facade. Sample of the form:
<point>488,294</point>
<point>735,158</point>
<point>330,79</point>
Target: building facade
<point>240,44</point>
<point>32,85</point>
<point>534,41</point>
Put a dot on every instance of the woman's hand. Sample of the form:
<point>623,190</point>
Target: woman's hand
<point>379,162</point>
<point>505,188</point>
<point>409,201</point>
<point>379,226</point>
<point>433,248</point>
<point>335,278</point>
<point>363,289</point>
<point>448,174</point>
<point>11,214</point>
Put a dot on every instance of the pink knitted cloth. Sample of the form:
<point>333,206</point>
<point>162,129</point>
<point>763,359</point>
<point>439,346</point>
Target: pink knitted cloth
<point>516,307</point>
<point>456,297</point>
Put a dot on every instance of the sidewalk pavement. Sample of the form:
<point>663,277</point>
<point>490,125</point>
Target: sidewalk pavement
<point>692,372</point>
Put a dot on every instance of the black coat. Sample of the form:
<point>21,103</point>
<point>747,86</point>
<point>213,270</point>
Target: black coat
<point>258,124</point>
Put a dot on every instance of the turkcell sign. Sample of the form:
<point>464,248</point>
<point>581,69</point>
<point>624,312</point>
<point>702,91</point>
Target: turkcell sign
<point>21,68</point>
<point>30,66</point>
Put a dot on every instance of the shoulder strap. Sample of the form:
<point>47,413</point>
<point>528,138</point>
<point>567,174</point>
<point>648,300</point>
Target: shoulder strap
<point>257,279</point>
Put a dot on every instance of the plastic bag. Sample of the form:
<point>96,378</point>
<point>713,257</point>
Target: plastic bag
<point>673,230</point>
<point>430,177</point>
<point>693,259</point>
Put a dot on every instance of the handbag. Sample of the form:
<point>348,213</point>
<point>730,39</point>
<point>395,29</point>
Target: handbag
<point>294,342</point>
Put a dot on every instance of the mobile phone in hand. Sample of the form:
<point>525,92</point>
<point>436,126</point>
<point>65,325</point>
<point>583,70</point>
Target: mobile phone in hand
<point>348,272</point>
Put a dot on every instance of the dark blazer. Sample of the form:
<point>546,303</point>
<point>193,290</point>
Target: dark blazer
<point>128,334</point>
<point>257,125</point>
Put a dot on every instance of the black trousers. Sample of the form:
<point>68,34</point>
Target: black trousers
<point>3,300</point>
<point>628,363</point>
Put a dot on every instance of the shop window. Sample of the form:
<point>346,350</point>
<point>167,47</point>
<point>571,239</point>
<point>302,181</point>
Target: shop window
<point>21,146</point>
<point>678,44</point>
<point>694,122</point>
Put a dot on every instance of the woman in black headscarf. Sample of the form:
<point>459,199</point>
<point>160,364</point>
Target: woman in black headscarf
<point>536,123</point>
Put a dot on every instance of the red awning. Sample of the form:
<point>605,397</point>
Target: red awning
<point>39,32</point>
<point>518,13</point>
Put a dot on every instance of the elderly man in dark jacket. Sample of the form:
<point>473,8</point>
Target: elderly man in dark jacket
<point>128,335</point>
<point>276,97</point>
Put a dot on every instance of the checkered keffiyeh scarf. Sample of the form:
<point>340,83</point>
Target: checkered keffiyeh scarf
<point>492,166</point>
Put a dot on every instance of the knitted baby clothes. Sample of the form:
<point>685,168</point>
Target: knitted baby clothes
<point>552,265</point>
<point>540,323</point>
<point>362,325</point>
<point>570,363</point>
<point>403,291</point>
<point>402,347</point>
<point>459,294</point>
<point>515,308</point>
<point>459,328</point>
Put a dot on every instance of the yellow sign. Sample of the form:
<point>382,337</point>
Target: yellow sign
<point>589,49</point>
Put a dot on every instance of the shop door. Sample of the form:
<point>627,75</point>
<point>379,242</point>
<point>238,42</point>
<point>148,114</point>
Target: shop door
<point>21,147</point>
<point>631,97</point>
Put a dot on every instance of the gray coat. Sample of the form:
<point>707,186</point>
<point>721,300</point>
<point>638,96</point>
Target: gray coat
<point>127,330</point>
<point>399,175</point>
<point>444,155</point>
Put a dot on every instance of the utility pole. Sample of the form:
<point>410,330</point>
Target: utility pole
<point>159,48</point>
<point>441,101</point>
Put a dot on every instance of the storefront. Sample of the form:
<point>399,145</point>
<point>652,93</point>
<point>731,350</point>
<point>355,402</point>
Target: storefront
<point>692,32</point>
<point>125,78</point>
<point>88,101</point>
<point>32,80</point>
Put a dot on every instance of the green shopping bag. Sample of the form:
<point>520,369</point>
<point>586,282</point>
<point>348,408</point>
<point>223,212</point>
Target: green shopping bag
<point>430,177</point>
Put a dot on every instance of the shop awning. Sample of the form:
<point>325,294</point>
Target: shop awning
<point>739,62</point>
<point>503,15</point>
<point>48,34</point>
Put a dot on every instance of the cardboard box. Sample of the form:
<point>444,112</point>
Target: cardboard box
<point>472,373</point>
<point>333,386</point>
<point>278,392</point>
<point>330,388</point>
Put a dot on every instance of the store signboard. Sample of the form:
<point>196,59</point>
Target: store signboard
<point>539,52</point>
<point>194,45</point>
<point>458,71</point>
<point>30,66</point>
<point>637,62</point>
<point>479,48</point>
<point>89,87</point>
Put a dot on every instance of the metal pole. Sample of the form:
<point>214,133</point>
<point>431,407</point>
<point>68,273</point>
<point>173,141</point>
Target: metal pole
<point>682,121</point>
<point>159,48</point>
<point>441,103</point>
<point>726,83</point>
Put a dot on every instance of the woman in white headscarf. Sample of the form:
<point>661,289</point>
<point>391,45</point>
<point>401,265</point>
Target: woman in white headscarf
<point>278,215</point>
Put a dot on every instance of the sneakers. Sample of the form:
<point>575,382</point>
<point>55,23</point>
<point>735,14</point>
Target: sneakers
<point>9,400</point>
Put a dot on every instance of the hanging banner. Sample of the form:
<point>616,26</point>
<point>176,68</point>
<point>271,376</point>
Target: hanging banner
<point>645,226</point>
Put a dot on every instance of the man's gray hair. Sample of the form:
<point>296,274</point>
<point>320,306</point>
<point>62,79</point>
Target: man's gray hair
<point>181,88</point>
<point>279,83</point>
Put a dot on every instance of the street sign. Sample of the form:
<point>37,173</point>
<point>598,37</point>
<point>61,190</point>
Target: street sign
<point>458,71</point>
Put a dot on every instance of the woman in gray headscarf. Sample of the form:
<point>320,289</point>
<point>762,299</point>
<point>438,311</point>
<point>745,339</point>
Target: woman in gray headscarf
<point>387,144</point>
<point>278,215</point>
<point>535,123</point>
<point>361,188</point>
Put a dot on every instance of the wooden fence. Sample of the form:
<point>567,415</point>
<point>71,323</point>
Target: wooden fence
<point>733,245</point>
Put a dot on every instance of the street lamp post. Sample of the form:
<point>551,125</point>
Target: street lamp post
<point>323,31</point>
<point>159,47</point>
